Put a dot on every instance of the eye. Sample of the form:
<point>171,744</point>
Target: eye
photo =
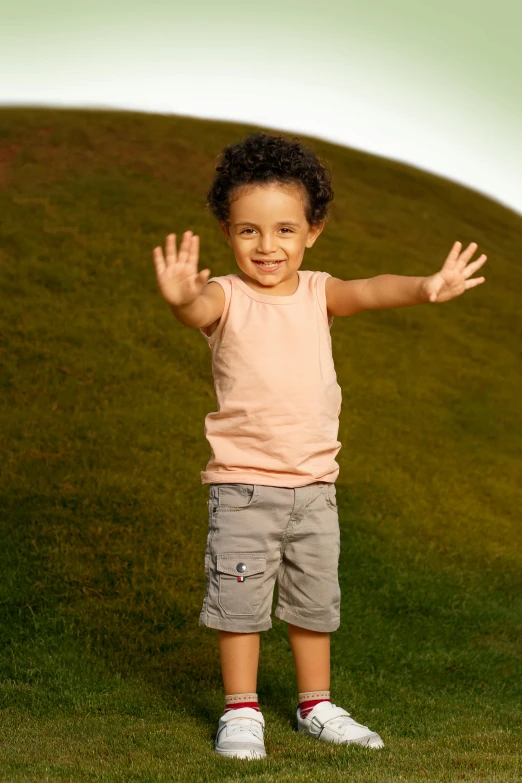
<point>283,229</point>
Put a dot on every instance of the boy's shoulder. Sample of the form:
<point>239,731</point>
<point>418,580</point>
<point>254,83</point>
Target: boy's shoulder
<point>215,287</point>
<point>219,280</point>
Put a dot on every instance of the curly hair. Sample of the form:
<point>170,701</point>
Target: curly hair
<point>263,158</point>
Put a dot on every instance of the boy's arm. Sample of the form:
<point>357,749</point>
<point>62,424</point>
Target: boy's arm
<point>344,297</point>
<point>192,314</point>
<point>394,291</point>
<point>203,311</point>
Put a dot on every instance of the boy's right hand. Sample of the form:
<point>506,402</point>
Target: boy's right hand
<point>177,273</point>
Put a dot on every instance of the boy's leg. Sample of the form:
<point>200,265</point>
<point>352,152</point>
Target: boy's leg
<point>309,594</point>
<point>241,727</point>
<point>311,651</point>
<point>309,598</point>
<point>246,525</point>
<point>239,660</point>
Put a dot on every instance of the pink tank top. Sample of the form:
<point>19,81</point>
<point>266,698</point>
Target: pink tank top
<point>277,393</point>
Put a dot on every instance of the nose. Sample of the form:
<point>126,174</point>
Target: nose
<point>266,244</point>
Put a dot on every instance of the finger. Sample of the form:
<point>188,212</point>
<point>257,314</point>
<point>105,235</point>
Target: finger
<point>170,249</point>
<point>193,252</point>
<point>203,275</point>
<point>435,289</point>
<point>453,255</point>
<point>472,268</point>
<point>159,261</point>
<point>475,281</point>
<point>185,247</point>
<point>465,256</point>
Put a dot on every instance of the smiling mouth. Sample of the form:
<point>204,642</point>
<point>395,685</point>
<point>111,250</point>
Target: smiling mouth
<point>268,263</point>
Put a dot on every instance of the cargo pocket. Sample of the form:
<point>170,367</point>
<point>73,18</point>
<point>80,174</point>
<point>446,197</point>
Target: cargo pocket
<point>241,582</point>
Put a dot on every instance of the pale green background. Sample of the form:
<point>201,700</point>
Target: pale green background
<point>434,84</point>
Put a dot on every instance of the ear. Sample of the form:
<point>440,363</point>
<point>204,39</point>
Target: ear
<point>313,233</point>
<point>225,230</point>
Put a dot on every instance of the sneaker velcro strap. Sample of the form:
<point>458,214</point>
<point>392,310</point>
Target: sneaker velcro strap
<point>322,717</point>
<point>243,712</point>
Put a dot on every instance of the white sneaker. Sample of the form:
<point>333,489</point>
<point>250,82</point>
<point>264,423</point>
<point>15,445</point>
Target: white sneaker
<point>333,724</point>
<point>240,734</point>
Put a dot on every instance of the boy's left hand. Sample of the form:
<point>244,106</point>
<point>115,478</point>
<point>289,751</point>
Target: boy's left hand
<point>452,280</point>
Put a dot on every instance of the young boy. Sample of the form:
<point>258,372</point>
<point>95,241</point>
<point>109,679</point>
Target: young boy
<point>272,501</point>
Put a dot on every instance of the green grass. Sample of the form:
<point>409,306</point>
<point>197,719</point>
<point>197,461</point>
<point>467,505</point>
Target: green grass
<point>104,672</point>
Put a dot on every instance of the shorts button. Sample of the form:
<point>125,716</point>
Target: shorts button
<point>241,567</point>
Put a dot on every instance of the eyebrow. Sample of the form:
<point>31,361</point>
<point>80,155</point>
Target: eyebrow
<point>281,223</point>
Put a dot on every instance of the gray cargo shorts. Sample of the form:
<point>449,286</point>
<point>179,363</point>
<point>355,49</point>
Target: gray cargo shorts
<point>258,535</point>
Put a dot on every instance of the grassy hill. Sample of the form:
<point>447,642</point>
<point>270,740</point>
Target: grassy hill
<point>104,673</point>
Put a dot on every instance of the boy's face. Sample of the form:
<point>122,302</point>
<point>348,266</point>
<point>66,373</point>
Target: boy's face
<point>268,223</point>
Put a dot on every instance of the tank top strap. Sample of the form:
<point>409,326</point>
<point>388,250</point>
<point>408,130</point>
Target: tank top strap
<point>318,282</point>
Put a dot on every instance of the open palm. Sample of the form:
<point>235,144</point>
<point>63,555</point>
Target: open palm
<point>452,280</point>
<point>178,278</point>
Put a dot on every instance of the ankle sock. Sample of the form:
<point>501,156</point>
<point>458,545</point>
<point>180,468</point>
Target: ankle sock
<point>237,700</point>
<point>308,700</point>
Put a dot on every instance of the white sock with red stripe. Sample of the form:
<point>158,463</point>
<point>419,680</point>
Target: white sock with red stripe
<point>237,700</point>
<point>308,700</point>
